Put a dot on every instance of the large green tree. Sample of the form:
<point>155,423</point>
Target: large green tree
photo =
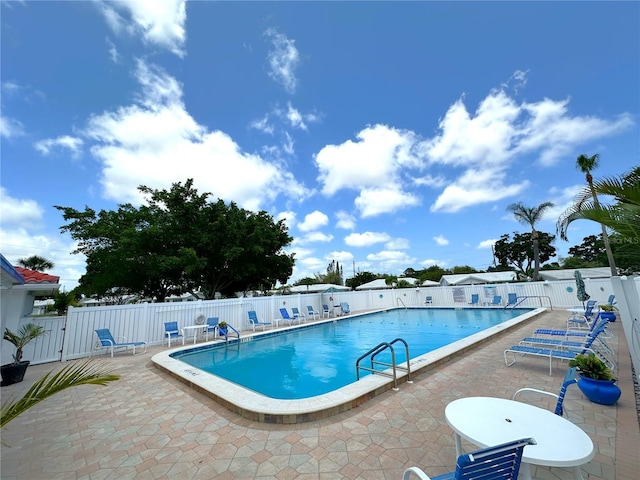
<point>360,279</point>
<point>530,216</point>
<point>585,164</point>
<point>36,263</point>
<point>178,242</point>
<point>518,253</point>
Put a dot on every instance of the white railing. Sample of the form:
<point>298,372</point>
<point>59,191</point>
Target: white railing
<point>74,337</point>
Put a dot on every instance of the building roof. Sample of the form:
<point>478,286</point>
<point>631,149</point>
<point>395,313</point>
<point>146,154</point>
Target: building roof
<point>476,278</point>
<point>380,283</point>
<point>10,276</point>
<point>31,276</point>
<point>568,274</point>
<point>316,287</point>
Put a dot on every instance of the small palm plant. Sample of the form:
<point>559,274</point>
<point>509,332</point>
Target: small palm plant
<point>25,334</point>
<point>591,366</point>
<point>74,374</point>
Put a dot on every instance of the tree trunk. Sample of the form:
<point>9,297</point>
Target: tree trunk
<point>605,237</point>
<point>536,255</point>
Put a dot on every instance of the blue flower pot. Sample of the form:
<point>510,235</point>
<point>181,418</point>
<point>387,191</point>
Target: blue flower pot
<point>223,331</point>
<point>604,392</point>
<point>611,316</point>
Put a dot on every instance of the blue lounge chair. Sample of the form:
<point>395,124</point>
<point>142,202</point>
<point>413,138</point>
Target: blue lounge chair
<point>569,379</point>
<point>344,308</point>
<point>475,298</point>
<point>299,315</point>
<point>212,325</point>
<point>573,333</point>
<point>254,322</point>
<point>566,343</point>
<point>583,320</point>
<point>106,340</point>
<point>326,312</point>
<point>497,301</point>
<point>284,313</point>
<point>499,462</point>
<point>312,312</point>
<point>512,300</point>
<point>557,352</point>
<point>171,330</point>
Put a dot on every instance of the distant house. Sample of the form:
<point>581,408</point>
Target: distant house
<point>569,274</point>
<point>381,283</point>
<point>316,287</point>
<point>478,278</point>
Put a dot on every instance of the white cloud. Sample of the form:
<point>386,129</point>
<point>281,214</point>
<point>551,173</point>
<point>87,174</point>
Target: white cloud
<point>374,201</point>
<point>289,218</point>
<point>441,240</point>
<point>313,221</point>
<point>345,220</point>
<point>372,165</point>
<point>10,128</point>
<point>283,60</point>
<point>366,239</point>
<point>113,51</point>
<point>158,23</point>
<point>340,257</point>
<point>391,260</point>
<point>19,213</point>
<point>397,244</point>
<point>431,181</point>
<point>313,237</point>
<point>487,243</point>
<point>263,125</point>
<point>73,144</point>
<point>155,139</point>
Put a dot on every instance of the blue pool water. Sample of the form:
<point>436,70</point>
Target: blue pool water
<point>320,358</point>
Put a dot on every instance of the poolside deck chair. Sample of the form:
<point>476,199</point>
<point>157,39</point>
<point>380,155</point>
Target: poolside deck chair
<point>313,313</point>
<point>326,312</point>
<point>106,340</point>
<point>255,323</point>
<point>344,308</point>
<point>531,341</point>
<point>583,320</point>
<point>298,314</point>
<point>574,333</point>
<point>284,313</point>
<point>475,298</point>
<point>512,300</point>
<point>611,300</point>
<point>499,462</point>
<point>171,330</point>
<point>569,379</point>
<point>557,352</point>
<point>497,301</point>
<point>212,325</point>
<point>428,300</point>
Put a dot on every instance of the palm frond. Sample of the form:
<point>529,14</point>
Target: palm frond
<point>78,373</point>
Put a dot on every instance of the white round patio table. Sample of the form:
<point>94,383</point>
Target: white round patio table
<point>489,421</point>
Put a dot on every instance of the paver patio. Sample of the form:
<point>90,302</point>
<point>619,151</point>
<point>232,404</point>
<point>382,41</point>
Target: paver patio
<point>148,425</point>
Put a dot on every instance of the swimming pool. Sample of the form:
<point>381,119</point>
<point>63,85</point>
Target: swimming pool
<point>316,360</point>
<point>264,408</point>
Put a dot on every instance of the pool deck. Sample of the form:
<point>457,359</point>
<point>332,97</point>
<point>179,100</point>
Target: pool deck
<point>149,425</point>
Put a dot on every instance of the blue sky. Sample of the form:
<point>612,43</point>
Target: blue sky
<point>388,134</point>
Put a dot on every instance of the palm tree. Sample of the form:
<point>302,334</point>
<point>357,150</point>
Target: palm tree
<point>622,217</point>
<point>531,216</point>
<point>36,262</point>
<point>586,164</point>
<point>74,374</point>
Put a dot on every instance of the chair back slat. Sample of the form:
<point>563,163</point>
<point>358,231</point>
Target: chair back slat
<point>499,462</point>
<point>105,337</point>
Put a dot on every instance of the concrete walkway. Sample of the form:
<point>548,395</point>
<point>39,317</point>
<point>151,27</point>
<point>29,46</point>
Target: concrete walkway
<point>150,426</point>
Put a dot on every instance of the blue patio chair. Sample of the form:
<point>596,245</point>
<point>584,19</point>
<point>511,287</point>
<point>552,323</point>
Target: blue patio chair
<point>475,298</point>
<point>106,340</point>
<point>344,308</point>
<point>298,314</point>
<point>312,312</point>
<point>171,330</point>
<point>500,462</point>
<point>573,333</point>
<point>512,300</point>
<point>254,322</point>
<point>284,313</point>
<point>584,320</point>
<point>326,312</point>
<point>428,300</point>
<point>497,301</point>
<point>212,326</point>
<point>611,300</point>
<point>569,379</point>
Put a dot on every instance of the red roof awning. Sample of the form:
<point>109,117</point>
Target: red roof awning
<point>31,276</point>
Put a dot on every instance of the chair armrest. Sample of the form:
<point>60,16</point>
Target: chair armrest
<point>417,472</point>
<point>535,390</point>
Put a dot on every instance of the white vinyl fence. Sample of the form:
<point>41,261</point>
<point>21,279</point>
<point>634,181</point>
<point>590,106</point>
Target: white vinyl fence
<point>74,336</point>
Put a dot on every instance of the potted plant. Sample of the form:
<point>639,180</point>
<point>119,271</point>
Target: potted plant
<point>222,328</point>
<point>596,379</point>
<point>608,312</point>
<point>14,372</point>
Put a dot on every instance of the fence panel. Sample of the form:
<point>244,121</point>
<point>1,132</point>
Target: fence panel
<point>47,348</point>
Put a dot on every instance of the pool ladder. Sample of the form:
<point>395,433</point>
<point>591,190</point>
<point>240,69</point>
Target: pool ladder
<point>394,366</point>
